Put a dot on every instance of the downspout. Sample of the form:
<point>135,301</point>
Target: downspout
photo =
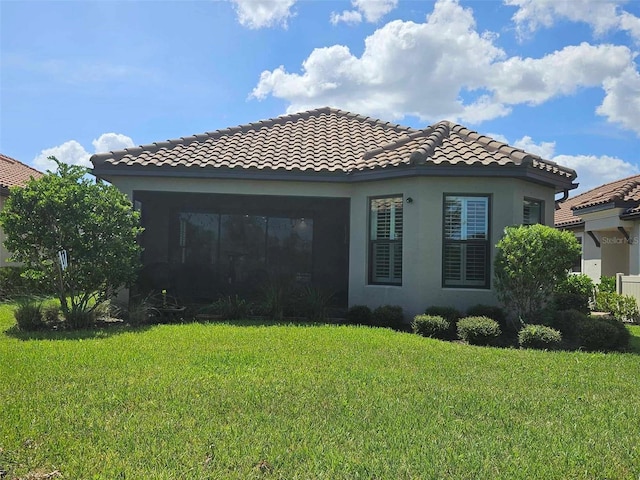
<point>565,195</point>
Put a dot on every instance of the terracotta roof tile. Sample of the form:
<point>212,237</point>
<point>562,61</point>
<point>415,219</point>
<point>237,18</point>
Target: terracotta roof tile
<point>623,193</point>
<point>15,173</point>
<point>328,140</point>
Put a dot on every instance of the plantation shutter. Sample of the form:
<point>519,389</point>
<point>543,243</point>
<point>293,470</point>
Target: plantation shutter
<point>386,240</point>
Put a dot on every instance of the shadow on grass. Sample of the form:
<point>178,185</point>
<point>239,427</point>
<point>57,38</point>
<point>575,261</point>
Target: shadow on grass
<point>102,331</point>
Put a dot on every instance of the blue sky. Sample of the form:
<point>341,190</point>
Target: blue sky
<point>557,78</point>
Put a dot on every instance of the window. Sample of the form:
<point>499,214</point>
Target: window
<point>577,266</point>
<point>466,241</point>
<point>532,211</point>
<point>385,241</point>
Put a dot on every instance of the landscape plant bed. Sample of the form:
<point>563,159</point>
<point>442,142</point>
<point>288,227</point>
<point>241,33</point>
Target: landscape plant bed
<point>246,400</point>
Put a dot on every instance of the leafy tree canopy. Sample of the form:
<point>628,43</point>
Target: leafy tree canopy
<point>530,262</point>
<point>90,221</point>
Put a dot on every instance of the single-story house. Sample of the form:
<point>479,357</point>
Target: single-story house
<point>606,220</point>
<point>12,173</point>
<point>374,212</point>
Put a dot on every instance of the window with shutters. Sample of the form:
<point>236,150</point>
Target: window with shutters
<point>466,241</point>
<point>385,240</point>
<point>532,211</point>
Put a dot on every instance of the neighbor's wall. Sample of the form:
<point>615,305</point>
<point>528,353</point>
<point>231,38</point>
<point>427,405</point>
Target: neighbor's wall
<point>4,254</point>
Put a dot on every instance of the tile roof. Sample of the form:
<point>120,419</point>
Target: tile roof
<point>13,172</point>
<point>623,193</point>
<point>327,140</point>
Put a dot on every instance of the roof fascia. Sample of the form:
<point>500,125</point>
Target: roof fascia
<point>378,174</point>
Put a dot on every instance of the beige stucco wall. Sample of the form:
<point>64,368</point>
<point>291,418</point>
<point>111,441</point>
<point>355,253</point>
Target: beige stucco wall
<point>422,243</point>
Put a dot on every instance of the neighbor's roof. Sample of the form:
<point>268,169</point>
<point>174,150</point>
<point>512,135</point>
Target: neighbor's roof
<point>326,140</point>
<point>623,193</point>
<point>15,173</point>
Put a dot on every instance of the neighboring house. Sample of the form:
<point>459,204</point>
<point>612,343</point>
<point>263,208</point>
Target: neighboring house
<point>12,173</point>
<point>375,212</point>
<point>606,220</point>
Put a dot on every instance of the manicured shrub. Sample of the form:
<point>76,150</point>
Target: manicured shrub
<point>540,337</point>
<point>493,312</point>
<point>450,314</point>
<point>596,334</point>
<point>478,330</point>
<point>28,315</point>
<point>624,336</point>
<point>390,316</point>
<point>571,301</point>
<point>568,323</point>
<point>430,326</point>
<point>359,315</point>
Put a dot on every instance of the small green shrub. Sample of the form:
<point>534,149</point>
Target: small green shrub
<point>51,313</point>
<point>622,307</point>
<point>540,337</point>
<point>568,323</point>
<point>28,314</point>
<point>491,311</point>
<point>232,307</point>
<point>359,315</point>
<point>607,284</point>
<point>390,316</point>
<point>315,303</point>
<point>450,314</point>
<point>577,284</point>
<point>596,334</point>
<point>430,326</point>
<point>77,319</point>
<point>273,300</point>
<point>571,301</point>
<point>624,336</point>
<point>478,330</point>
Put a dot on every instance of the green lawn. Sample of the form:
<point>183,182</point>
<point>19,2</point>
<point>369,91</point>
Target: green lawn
<point>201,401</point>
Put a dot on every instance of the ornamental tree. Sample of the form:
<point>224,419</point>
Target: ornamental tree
<point>530,262</point>
<point>77,234</point>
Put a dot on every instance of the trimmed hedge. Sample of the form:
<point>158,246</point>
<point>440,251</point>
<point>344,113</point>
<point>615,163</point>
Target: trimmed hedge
<point>389,316</point>
<point>597,335</point>
<point>539,337</point>
<point>359,315</point>
<point>478,330</point>
<point>433,326</point>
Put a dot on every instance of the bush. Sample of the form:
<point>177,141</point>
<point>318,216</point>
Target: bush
<point>274,298</point>
<point>28,314</point>
<point>478,330</point>
<point>571,301</point>
<point>430,326</point>
<point>450,314</point>
<point>568,323</point>
<point>390,316</point>
<point>596,334</point>
<point>232,307</point>
<point>315,303</point>
<point>607,284</point>
<point>491,311</point>
<point>51,313</point>
<point>624,336</point>
<point>540,337</point>
<point>14,284</point>
<point>77,319</point>
<point>577,284</point>
<point>359,315</point>
<point>622,307</point>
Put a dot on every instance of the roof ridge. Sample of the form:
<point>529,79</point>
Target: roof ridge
<point>214,134</point>
<point>580,196</point>
<point>435,135</point>
<point>392,145</point>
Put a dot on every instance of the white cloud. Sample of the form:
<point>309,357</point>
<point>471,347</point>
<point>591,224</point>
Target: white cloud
<point>70,152</point>
<point>425,70</point>
<point>622,101</point>
<point>371,10</point>
<point>592,170</point>
<point>73,153</point>
<point>602,16</point>
<point>112,141</point>
<point>350,17</point>
<point>263,13</point>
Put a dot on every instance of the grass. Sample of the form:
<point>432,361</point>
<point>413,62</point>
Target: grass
<point>317,402</point>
